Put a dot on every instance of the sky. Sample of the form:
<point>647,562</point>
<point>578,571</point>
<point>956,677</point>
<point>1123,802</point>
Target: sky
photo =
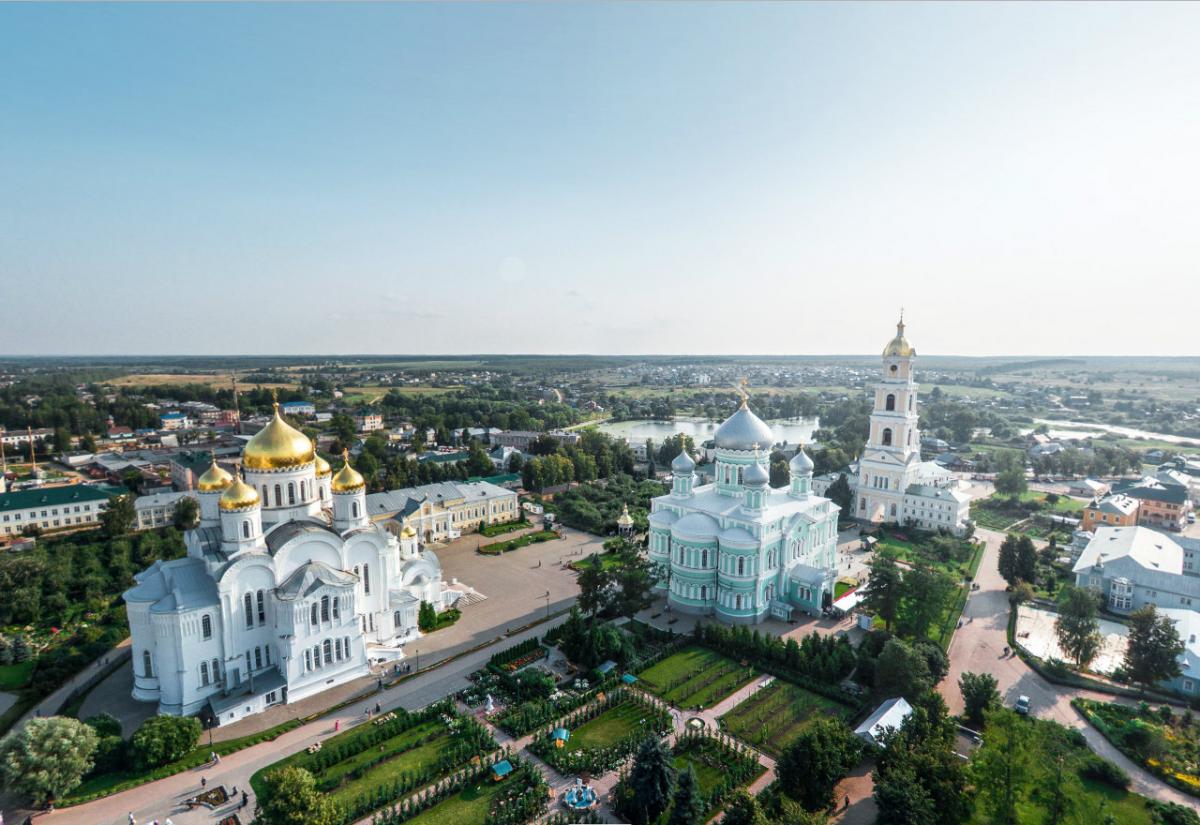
<point>724,178</point>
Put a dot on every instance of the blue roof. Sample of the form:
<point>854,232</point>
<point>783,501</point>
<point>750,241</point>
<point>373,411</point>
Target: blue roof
<point>629,678</point>
<point>174,415</point>
<point>605,667</point>
<point>502,768</point>
<point>561,733</point>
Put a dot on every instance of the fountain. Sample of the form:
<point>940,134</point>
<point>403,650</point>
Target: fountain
<point>579,797</point>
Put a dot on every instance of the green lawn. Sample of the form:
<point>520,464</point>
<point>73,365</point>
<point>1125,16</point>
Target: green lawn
<point>608,728</point>
<point>695,677</point>
<point>411,757</point>
<point>608,561</point>
<point>469,806</point>
<point>772,718</point>
<point>14,677</point>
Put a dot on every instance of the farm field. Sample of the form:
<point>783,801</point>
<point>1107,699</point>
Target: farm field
<point>166,379</point>
<point>772,718</point>
<point>695,677</point>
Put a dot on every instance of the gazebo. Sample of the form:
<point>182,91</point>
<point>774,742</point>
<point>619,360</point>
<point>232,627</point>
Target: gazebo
<point>625,523</point>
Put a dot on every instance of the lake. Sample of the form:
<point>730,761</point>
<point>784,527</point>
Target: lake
<point>701,430</point>
<point>1086,429</point>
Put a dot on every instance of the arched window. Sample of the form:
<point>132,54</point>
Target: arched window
<point>704,592</point>
<point>258,658</point>
<point>346,645</point>
<point>316,618</point>
<point>704,558</point>
<point>291,492</point>
<point>204,674</point>
<point>324,608</point>
<point>354,509</point>
<point>216,670</point>
<point>741,566</point>
<point>337,649</point>
<point>322,490</point>
<point>206,626</point>
<point>327,647</point>
<point>278,496</point>
<point>308,660</point>
<point>246,528</point>
<point>893,511</point>
<point>303,491</point>
<point>681,555</point>
<point>147,670</point>
<point>737,603</point>
<point>247,603</point>
<point>366,578</point>
<point>262,608</point>
<point>337,613</point>
<point>396,620</point>
<point>266,495</point>
<point>267,653</point>
<point>887,436</point>
<point>890,403</point>
<point>316,656</point>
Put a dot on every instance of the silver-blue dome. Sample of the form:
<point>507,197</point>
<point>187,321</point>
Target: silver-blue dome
<point>683,464</point>
<point>744,429</point>
<point>801,464</point>
<point>755,475</point>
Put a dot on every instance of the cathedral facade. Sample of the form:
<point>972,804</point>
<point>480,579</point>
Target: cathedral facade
<point>287,588</point>
<point>737,549</point>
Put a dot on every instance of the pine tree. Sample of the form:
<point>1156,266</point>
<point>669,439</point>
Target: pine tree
<point>687,806</point>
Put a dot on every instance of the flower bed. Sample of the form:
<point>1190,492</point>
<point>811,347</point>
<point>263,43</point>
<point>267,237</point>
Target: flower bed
<point>604,734</point>
<point>496,548</point>
<point>1163,742</point>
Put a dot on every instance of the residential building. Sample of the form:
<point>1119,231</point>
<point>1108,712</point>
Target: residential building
<point>1135,566</point>
<point>174,421</point>
<point>17,438</point>
<point>1113,511</point>
<point>53,508</point>
<point>298,408</point>
<point>367,421</point>
<point>157,510</point>
<point>521,439</point>
<point>736,549</point>
<point>1164,501</point>
<point>1088,487</point>
<point>287,588</point>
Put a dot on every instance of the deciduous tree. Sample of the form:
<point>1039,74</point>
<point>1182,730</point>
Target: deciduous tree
<point>979,695</point>
<point>46,758</point>
<point>291,798</point>
<point>812,765</point>
<point>1078,624</point>
<point>1154,647</point>
<point>884,592</point>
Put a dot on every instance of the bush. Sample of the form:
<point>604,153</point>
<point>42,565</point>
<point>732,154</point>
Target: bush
<point>1100,769</point>
<point>105,724</point>
<point>163,739</point>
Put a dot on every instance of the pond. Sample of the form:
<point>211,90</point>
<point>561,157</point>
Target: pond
<point>701,430</point>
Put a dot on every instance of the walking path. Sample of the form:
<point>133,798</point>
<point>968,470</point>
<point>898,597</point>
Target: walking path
<point>165,798</point>
<point>51,704</point>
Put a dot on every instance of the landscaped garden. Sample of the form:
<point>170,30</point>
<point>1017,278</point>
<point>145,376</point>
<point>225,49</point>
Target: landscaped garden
<point>772,718</point>
<point>695,677</point>
<point>1000,511</point>
<point>496,548</point>
<point>602,734</point>
<point>476,796</point>
<point>1164,742</point>
<point>374,764</point>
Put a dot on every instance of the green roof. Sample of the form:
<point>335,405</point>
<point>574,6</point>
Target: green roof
<point>55,496</point>
<point>196,461</point>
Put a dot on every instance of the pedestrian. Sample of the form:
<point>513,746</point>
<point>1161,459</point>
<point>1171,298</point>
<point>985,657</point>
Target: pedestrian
<point>203,782</point>
<point>234,792</point>
<point>377,708</point>
<point>847,805</point>
<point>132,821</point>
<point>245,799</point>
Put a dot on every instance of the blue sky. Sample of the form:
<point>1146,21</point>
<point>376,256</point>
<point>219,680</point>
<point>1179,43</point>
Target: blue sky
<point>623,178</point>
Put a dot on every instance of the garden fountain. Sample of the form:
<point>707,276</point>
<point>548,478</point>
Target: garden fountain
<point>579,797</point>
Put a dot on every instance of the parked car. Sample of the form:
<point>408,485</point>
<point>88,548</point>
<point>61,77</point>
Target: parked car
<point>1022,705</point>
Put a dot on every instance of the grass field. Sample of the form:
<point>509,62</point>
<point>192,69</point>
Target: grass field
<point>221,380</point>
<point>410,757</point>
<point>772,718</point>
<point>469,806</point>
<point>608,728</point>
<point>695,677</point>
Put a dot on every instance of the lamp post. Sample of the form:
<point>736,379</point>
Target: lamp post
<point>547,598</point>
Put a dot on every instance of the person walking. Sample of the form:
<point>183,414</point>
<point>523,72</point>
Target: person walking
<point>203,782</point>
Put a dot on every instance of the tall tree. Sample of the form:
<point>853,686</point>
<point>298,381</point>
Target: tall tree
<point>839,493</point>
<point>1003,767</point>
<point>1154,648</point>
<point>1078,624</point>
<point>186,513</point>
<point>119,516</point>
<point>743,809</point>
<point>1010,472</point>
<point>1026,560</point>
<point>925,592</point>
<point>1006,561</point>
<point>47,757</point>
<point>633,580</point>
<point>884,589</point>
<point>901,671</point>
<point>594,584</point>
<point>651,780</point>
<point>687,806</point>
<point>812,765</point>
<point>979,695</point>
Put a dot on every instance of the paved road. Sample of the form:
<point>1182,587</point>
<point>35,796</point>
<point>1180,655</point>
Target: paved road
<point>162,799</point>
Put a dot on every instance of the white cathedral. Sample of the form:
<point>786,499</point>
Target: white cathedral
<point>287,588</point>
<point>891,484</point>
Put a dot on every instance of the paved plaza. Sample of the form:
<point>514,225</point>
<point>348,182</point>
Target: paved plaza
<point>1035,633</point>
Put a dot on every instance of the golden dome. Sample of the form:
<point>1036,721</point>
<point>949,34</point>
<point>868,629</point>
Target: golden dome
<point>323,468</point>
<point>899,347</point>
<point>408,532</point>
<point>215,478</point>
<point>347,479</point>
<point>239,495</point>
<point>277,446</point>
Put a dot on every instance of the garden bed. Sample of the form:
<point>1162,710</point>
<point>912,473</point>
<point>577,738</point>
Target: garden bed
<point>496,548</point>
<point>1164,742</point>
<point>774,717</point>
<point>695,677</point>
<point>603,735</point>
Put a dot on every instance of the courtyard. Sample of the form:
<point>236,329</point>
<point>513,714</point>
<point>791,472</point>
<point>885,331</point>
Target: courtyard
<point>1035,633</point>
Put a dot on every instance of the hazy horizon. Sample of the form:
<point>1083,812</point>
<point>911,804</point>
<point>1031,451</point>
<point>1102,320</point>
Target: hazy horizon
<point>678,179</point>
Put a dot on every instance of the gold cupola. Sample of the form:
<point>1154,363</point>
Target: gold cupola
<point>277,446</point>
<point>323,468</point>
<point>239,495</point>
<point>347,479</point>
<point>215,478</point>
<point>899,347</point>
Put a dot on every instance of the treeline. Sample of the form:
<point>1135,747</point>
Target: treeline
<point>595,508</point>
<point>825,660</point>
<point>596,455</point>
<point>479,406</point>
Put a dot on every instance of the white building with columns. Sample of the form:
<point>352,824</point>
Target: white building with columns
<point>287,588</point>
